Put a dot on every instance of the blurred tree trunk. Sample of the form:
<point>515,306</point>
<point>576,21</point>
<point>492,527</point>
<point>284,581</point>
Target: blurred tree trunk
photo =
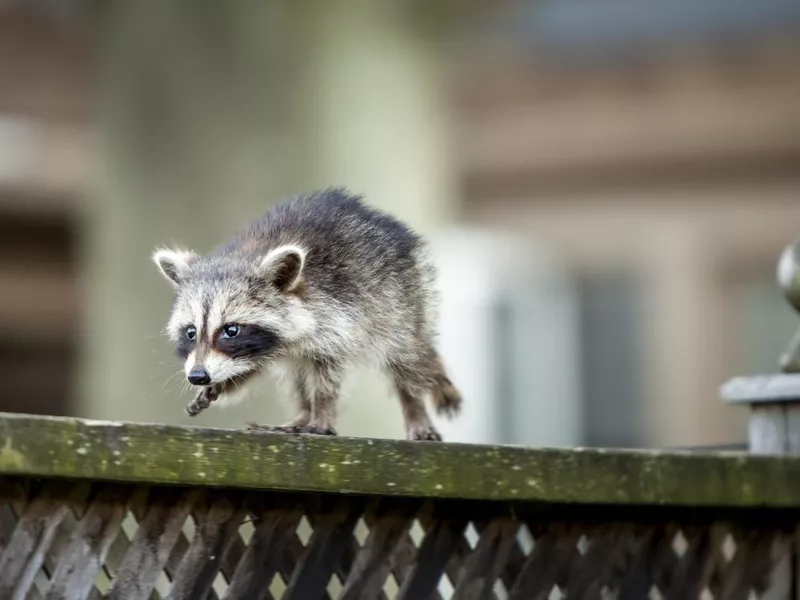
<point>197,113</point>
<point>376,119</point>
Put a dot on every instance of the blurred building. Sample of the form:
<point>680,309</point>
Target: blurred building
<point>44,129</point>
<point>655,147</point>
<point>631,167</point>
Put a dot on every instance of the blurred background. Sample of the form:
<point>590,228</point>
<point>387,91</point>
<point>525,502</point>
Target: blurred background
<point>607,186</point>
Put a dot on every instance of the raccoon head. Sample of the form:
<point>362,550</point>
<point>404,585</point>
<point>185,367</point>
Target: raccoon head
<point>231,314</point>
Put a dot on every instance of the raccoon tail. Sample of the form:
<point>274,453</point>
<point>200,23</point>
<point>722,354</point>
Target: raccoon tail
<point>445,397</point>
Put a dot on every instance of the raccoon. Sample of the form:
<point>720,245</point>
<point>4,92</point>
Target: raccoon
<point>318,284</point>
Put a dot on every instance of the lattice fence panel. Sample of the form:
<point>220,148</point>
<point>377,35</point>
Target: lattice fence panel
<point>75,540</point>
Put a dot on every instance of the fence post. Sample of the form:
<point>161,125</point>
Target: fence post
<point>774,424</point>
<point>774,398</point>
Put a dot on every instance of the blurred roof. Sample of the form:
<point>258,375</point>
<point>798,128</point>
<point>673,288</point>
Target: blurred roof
<point>603,28</point>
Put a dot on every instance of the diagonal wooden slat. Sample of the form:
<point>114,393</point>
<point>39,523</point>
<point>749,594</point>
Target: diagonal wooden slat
<point>119,547</point>
<point>637,579</point>
<point>152,544</point>
<point>548,563</point>
<point>179,549</point>
<point>76,572</point>
<point>13,496</point>
<point>693,570</point>
<point>752,566</point>
<point>406,551</point>
<point>483,566</point>
<point>608,553</point>
<point>778,579</point>
<point>66,529</point>
<point>403,559</point>
<point>197,515</point>
<point>443,536</point>
<point>201,562</point>
<point>236,548</point>
<point>292,554</point>
<point>277,520</point>
<point>516,558</point>
<point>455,565</point>
<point>350,550</point>
<point>32,537</point>
<point>513,562</point>
<point>333,529</point>
<point>68,543</point>
<point>389,523</point>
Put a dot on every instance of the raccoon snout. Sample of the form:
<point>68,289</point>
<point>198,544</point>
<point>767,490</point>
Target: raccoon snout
<point>199,376</point>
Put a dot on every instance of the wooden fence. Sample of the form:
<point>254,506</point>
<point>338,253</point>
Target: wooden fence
<point>132,511</point>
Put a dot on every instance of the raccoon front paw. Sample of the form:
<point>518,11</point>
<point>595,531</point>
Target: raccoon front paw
<point>424,434</point>
<point>291,429</point>
<point>202,401</point>
<point>273,428</point>
<point>314,430</point>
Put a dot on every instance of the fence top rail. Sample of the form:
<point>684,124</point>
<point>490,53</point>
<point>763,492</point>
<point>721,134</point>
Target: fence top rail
<point>46,447</point>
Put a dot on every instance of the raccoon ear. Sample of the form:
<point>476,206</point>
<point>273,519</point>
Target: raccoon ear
<point>173,263</point>
<point>283,266</point>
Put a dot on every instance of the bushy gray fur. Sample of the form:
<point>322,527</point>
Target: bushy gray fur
<point>318,284</point>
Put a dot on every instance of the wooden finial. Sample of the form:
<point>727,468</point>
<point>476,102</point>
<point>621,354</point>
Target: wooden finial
<point>788,276</point>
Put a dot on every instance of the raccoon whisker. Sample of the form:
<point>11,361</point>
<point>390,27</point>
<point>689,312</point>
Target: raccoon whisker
<point>171,379</point>
<point>173,389</point>
<point>150,337</point>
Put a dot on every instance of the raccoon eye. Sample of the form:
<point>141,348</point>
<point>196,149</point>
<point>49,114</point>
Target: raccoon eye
<point>191,333</point>
<point>230,331</point>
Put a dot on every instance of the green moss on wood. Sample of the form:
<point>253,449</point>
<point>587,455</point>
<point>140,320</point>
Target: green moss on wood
<point>74,448</point>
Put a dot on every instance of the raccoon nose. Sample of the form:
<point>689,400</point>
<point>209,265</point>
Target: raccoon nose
<point>198,376</point>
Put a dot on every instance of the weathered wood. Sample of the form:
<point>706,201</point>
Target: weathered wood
<point>777,388</point>
<point>36,528</point>
<point>13,497</point>
<point>239,459</point>
<point>607,554</point>
<point>767,429</point>
<point>793,428</point>
<point>152,544</point>
<point>405,551</point>
<point>752,567</point>
<point>483,567</point>
<point>66,529</point>
<point>693,570</point>
<point>514,562</point>
<point>350,549</point>
<point>443,535</point>
<point>276,523</point>
<point>78,568</point>
<point>605,557</point>
<point>200,564</point>
<point>332,531</point>
<point>373,564</point>
<point>780,581</point>
<point>548,563</point>
<point>637,580</point>
<point>61,541</point>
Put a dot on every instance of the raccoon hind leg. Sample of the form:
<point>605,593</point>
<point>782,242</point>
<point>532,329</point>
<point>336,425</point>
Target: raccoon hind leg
<point>444,395</point>
<point>412,380</point>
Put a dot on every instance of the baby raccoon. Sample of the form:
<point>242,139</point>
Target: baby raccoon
<point>319,283</point>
